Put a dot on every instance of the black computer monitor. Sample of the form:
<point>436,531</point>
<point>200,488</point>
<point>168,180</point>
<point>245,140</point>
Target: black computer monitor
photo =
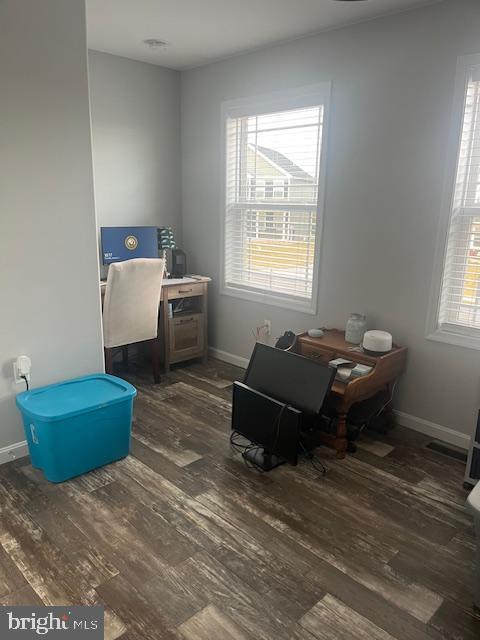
<point>288,377</point>
<point>272,427</point>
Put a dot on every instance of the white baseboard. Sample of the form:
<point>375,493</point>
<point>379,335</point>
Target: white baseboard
<point>14,451</point>
<point>436,431</point>
<point>238,361</point>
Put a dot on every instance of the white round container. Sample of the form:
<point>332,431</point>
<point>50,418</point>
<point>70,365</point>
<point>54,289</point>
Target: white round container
<point>377,343</point>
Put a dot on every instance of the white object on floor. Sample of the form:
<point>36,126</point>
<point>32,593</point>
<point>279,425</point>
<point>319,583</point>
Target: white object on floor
<point>378,448</point>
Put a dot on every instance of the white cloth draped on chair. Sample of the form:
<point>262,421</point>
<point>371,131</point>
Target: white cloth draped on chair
<point>131,303</point>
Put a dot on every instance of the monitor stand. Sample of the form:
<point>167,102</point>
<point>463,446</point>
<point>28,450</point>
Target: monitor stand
<point>263,459</point>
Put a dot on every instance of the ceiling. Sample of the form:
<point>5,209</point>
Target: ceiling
<point>200,31</point>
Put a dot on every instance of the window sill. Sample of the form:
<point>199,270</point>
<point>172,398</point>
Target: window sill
<point>308,306</point>
<point>457,338</point>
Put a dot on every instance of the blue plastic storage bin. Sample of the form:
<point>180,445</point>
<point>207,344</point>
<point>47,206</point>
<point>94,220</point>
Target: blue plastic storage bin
<point>75,426</point>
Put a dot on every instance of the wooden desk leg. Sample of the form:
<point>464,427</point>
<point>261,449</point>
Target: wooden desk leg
<point>155,349</point>
<point>166,332</point>
<point>108,360</point>
<point>205,323</point>
<point>341,441</point>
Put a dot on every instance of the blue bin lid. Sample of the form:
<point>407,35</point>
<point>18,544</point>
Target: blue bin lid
<point>74,397</point>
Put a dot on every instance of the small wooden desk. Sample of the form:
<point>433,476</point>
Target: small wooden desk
<point>386,369</point>
<point>184,334</point>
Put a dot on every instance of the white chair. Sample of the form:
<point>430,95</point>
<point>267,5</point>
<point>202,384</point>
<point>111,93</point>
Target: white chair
<point>131,306</point>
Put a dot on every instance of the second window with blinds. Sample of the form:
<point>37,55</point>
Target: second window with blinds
<point>274,190</point>
<point>455,306</point>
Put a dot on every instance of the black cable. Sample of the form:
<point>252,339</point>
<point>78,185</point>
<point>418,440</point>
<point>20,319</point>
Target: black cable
<point>248,448</point>
<point>277,425</point>
<point>314,461</point>
<point>238,447</point>
<point>244,449</point>
<point>252,465</point>
<point>26,382</point>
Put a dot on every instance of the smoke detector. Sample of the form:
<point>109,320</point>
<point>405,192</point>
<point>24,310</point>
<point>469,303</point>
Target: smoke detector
<point>155,43</point>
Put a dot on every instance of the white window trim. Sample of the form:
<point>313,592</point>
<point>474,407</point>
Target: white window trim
<point>450,334</point>
<point>307,96</point>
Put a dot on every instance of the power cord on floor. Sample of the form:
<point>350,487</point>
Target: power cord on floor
<point>316,463</point>
<point>244,449</point>
<point>240,444</point>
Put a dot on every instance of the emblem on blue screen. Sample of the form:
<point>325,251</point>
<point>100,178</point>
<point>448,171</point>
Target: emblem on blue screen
<point>131,242</point>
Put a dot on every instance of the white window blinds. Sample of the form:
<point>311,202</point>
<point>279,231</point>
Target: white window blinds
<point>272,185</point>
<point>460,293</point>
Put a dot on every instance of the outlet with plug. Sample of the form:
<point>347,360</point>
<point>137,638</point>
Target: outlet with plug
<point>21,369</point>
<point>267,327</point>
<point>263,331</point>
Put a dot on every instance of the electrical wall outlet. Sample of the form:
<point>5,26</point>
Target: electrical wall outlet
<point>16,375</point>
<point>21,369</point>
<point>267,327</point>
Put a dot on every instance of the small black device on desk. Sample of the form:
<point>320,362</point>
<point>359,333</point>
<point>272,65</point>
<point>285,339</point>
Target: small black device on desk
<point>179,263</point>
<point>279,389</point>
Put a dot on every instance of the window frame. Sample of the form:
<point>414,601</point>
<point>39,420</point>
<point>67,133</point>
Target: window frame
<point>296,98</point>
<point>448,333</point>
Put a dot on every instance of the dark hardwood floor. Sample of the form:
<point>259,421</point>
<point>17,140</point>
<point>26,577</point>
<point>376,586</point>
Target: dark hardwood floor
<point>181,540</point>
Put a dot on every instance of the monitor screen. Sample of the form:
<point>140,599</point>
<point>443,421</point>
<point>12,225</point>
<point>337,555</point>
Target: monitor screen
<point>266,422</point>
<point>298,381</point>
<point>125,243</point>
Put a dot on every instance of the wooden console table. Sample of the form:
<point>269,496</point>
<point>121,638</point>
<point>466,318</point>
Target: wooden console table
<point>386,369</point>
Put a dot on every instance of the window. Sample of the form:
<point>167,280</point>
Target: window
<point>458,298</point>
<point>273,193</point>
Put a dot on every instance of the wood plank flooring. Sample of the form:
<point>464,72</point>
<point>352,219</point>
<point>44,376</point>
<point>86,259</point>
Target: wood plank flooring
<point>181,540</point>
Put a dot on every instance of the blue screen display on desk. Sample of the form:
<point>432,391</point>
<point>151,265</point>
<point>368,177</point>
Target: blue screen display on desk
<point>125,243</point>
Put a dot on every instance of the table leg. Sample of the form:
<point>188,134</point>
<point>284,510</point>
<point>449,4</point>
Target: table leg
<point>341,435</point>
<point>108,360</point>
<point>205,323</point>
<point>166,332</point>
<point>155,358</point>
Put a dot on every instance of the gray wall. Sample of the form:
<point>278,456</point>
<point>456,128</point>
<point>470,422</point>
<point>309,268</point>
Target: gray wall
<point>50,306</point>
<point>136,142</point>
<point>393,82</point>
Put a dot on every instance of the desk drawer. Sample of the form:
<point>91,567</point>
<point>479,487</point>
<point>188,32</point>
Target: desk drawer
<point>316,354</point>
<point>185,290</point>
<point>186,337</point>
